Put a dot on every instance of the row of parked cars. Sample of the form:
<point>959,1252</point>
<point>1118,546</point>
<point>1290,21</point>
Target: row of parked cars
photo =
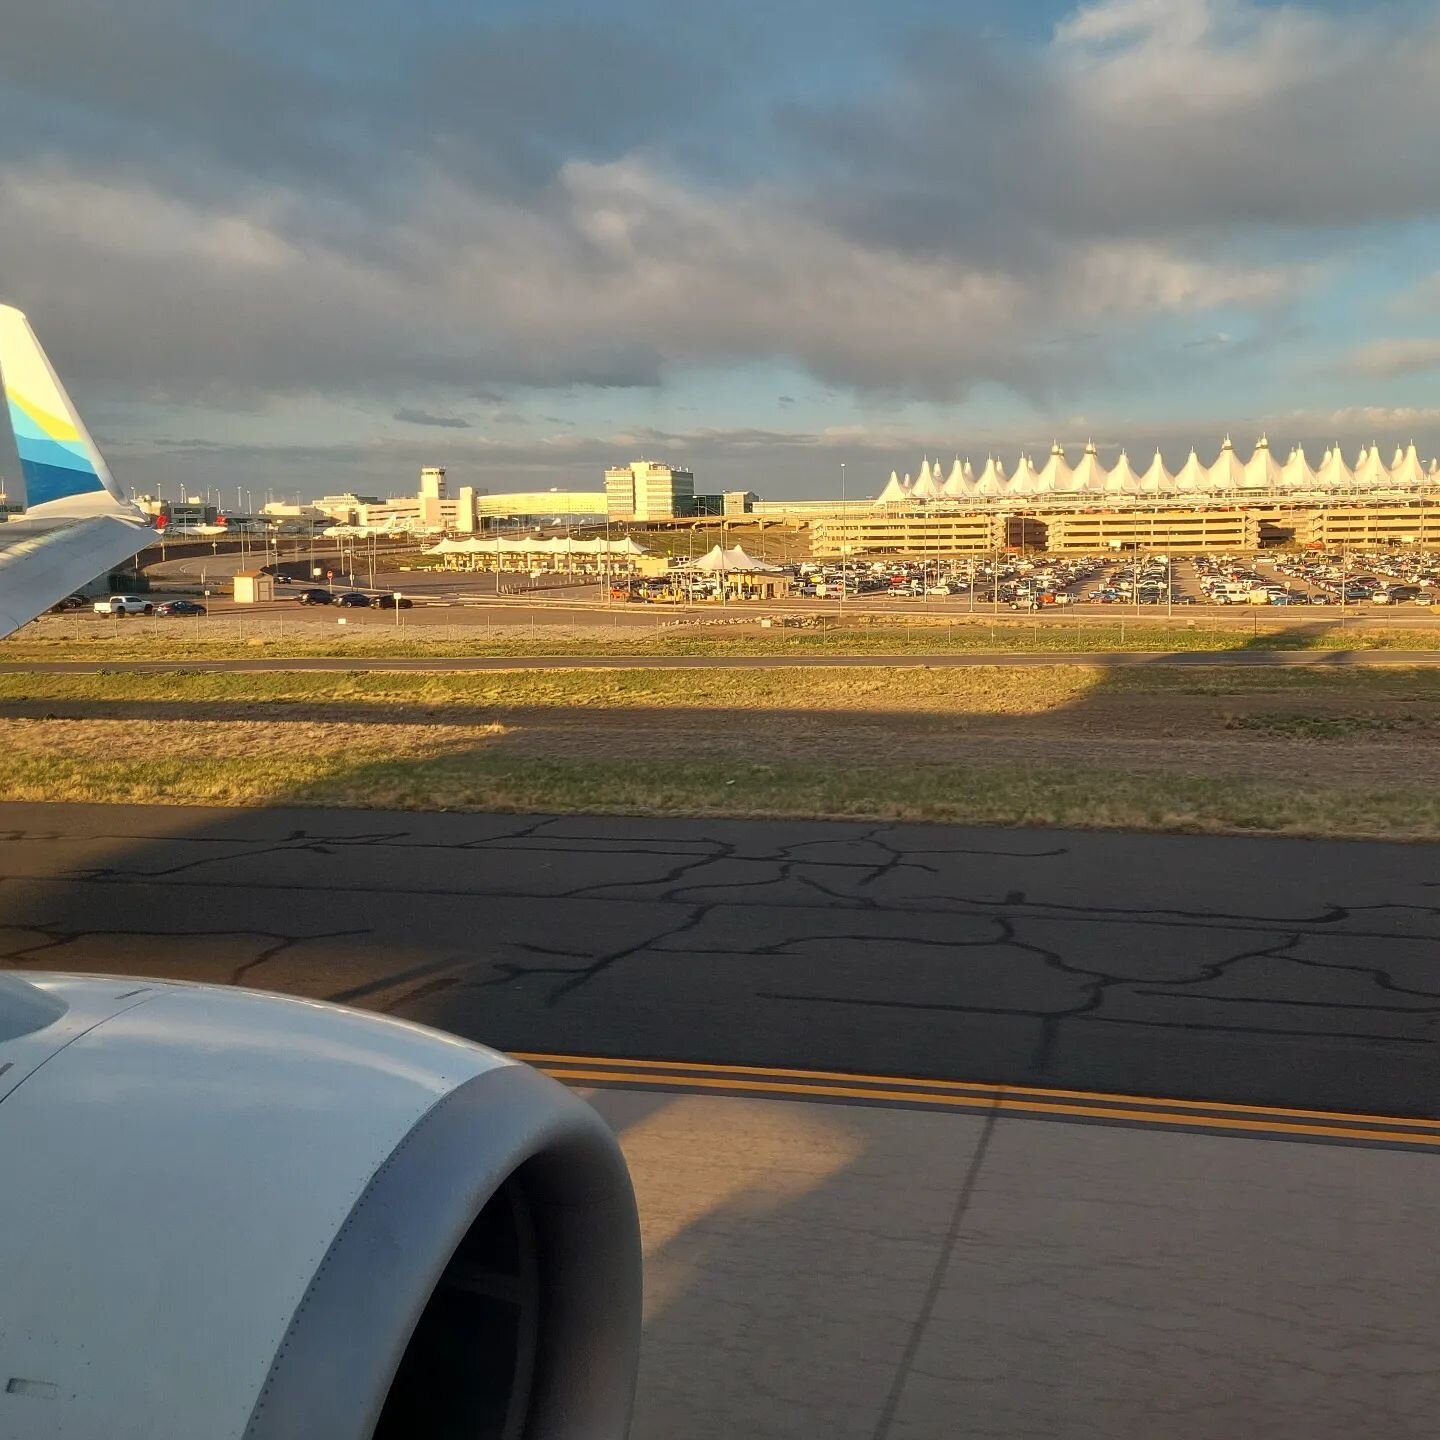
<point>121,605</point>
<point>355,599</point>
<point>1317,581</point>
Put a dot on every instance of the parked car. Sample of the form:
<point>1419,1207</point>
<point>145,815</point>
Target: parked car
<point>284,579</point>
<point>356,598</point>
<point>389,602</point>
<point>180,607</point>
<point>124,605</point>
<point>315,596</point>
<point>70,602</point>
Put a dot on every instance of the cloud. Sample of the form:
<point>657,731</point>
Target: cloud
<point>410,416</point>
<point>429,213</point>
<point>1389,359</point>
<point>785,399</point>
<point>1368,420</point>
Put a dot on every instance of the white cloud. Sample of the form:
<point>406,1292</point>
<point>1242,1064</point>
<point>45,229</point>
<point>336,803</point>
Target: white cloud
<point>1389,359</point>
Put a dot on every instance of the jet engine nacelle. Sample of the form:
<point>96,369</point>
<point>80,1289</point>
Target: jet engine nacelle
<point>225,1213</point>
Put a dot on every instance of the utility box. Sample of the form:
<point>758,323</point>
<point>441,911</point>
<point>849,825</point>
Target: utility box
<point>253,587</point>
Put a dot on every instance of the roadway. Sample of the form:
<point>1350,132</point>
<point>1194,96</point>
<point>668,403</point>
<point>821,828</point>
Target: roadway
<point>1248,659</point>
<point>937,1131</point>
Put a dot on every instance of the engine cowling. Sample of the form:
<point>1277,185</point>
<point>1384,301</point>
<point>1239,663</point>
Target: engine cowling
<point>228,1213</point>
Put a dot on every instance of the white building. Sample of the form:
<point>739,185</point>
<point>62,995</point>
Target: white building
<point>1227,477</point>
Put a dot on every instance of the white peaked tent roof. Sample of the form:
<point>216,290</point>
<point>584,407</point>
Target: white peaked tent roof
<point>925,487</point>
<point>1089,475</point>
<point>1122,479</point>
<point>1227,473</point>
<point>1297,474</point>
<point>732,561</point>
<point>1334,473</point>
<point>1372,470</point>
<point>1022,482</point>
<point>1055,477</point>
<point>1262,471</point>
<point>968,469</point>
<point>448,547</point>
<point>1407,469</point>
<point>1193,476</point>
<point>1157,480</point>
<point>893,493</point>
<point>955,487</point>
<point>992,478</point>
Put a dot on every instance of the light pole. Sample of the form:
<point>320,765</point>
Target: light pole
<point>845,531</point>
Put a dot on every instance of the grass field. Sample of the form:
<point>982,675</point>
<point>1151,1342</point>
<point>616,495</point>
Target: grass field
<point>185,640</point>
<point>1311,752</point>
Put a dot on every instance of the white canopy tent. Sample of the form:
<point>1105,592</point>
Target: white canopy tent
<point>1122,479</point>
<point>1227,474</point>
<point>1193,478</point>
<point>894,492</point>
<point>1372,471</point>
<point>1407,469</point>
<point>1334,473</point>
<point>1297,476</point>
<point>734,561</point>
<point>1055,477</point>
<point>992,480</point>
<point>1157,480</point>
<point>925,487</point>
<point>1088,477</point>
<point>1261,470</point>
<point>1023,481</point>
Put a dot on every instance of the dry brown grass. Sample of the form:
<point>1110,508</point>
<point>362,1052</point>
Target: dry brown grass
<point>1293,752</point>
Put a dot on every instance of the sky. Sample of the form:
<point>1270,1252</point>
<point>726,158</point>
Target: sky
<point>297,247</point>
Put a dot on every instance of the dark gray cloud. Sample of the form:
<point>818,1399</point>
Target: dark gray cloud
<point>788,461</point>
<point>409,415</point>
<point>253,203</point>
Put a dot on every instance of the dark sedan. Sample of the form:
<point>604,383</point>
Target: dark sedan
<point>180,607</point>
<point>353,597</point>
<point>315,597</point>
<point>389,602</point>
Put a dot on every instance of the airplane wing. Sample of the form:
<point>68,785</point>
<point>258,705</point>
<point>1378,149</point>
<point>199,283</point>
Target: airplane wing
<point>77,522</point>
<point>43,561</point>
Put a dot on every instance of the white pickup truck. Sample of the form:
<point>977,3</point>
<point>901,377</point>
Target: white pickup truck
<point>125,605</point>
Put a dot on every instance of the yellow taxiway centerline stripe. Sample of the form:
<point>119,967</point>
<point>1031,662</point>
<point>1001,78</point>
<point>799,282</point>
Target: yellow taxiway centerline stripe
<point>1001,1101</point>
<point>681,1072</point>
